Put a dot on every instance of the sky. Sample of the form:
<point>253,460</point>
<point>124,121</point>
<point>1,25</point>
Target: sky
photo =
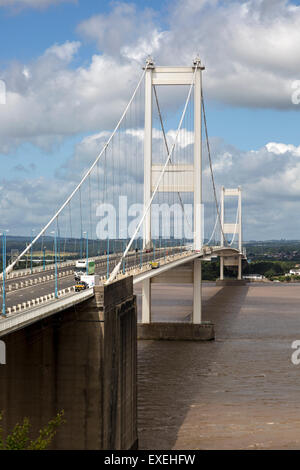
<point>70,66</point>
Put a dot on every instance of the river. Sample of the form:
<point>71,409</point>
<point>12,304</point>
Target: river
<point>240,391</point>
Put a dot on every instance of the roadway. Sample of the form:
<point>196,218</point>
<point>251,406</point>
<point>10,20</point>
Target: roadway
<point>28,293</point>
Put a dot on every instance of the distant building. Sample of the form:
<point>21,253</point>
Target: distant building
<point>294,272</point>
<point>254,277</point>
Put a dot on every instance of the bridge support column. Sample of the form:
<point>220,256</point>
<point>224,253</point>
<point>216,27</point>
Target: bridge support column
<point>221,268</point>
<point>192,330</point>
<point>83,361</point>
<point>240,269</point>
<point>198,225</point>
<point>148,153</point>
<point>197,293</point>
<point>146,301</point>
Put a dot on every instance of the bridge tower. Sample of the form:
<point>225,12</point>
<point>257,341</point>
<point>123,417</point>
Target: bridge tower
<point>234,228</point>
<point>174,175</point>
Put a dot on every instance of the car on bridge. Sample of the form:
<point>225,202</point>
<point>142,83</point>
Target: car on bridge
<point>81,286</point>
<point>154,264</point>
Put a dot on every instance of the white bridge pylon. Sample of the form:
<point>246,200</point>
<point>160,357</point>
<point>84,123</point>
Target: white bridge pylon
<point>234,228</point>
<point>183,178</point>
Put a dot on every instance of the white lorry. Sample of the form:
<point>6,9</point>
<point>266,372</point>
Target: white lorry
<point>84,267</point>
<point>90,280</point>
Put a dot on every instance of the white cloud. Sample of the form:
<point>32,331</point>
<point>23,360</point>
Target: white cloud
<point>27,197</point>
<point>64,52</point>
<point>249,48</point>
<point>40,4</point>
<point>47,100</point>
<point>184,138</point>
<point>123,28</point>
<point>280,149</point>
<point>269,178</point>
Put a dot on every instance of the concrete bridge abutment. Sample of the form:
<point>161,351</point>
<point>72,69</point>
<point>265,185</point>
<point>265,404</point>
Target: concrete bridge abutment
<point>82,361</point>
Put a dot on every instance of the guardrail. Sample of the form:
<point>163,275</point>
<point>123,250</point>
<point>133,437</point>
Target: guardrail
<point>33,282</point>
<point>100,261</point>
<point>49,267</point>
<point>130,270</point>
<point>38,301</point>
<point>26,317</point>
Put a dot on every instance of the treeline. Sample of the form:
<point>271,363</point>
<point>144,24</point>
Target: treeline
<point>268,268</point>
<point>211,270</point>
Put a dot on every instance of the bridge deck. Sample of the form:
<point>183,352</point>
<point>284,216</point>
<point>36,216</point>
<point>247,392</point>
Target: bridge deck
<point>34,313</point>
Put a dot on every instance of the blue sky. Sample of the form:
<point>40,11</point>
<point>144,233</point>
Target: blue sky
<point>250,50</point>
<point>28,33</point>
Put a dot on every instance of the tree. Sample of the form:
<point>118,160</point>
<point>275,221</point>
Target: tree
<point>270,273</point>
<point>19,438</point>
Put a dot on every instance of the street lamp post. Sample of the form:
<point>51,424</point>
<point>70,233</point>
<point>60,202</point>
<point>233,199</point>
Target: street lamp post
<point>4,273</point>
<point>44,258</point>
<point>55,258</point>
<point>107,259</point>
<point>81,250</point>
<point>124,267</point>
<point>31,253</point>
<point>87,252</point>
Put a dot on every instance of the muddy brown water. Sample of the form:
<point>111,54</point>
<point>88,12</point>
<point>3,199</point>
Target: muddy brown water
<point>240,391</point>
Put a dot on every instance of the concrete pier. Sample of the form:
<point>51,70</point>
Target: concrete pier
<point>193,329</point>
<point>176,331</point>
<point>82,361</point>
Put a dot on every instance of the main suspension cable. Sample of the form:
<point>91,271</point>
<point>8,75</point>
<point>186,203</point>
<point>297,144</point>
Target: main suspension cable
<point>11,266</point>
<point>211,169</point>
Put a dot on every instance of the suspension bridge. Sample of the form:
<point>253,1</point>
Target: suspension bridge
<point>146,210</point>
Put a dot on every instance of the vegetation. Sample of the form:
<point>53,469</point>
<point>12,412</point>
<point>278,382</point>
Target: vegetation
<point>19,438</point>
<point>273,270</point>
<point>211,270</point>
<point>284,250</point>
<point>268,268</point>
<point>291,278</point>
